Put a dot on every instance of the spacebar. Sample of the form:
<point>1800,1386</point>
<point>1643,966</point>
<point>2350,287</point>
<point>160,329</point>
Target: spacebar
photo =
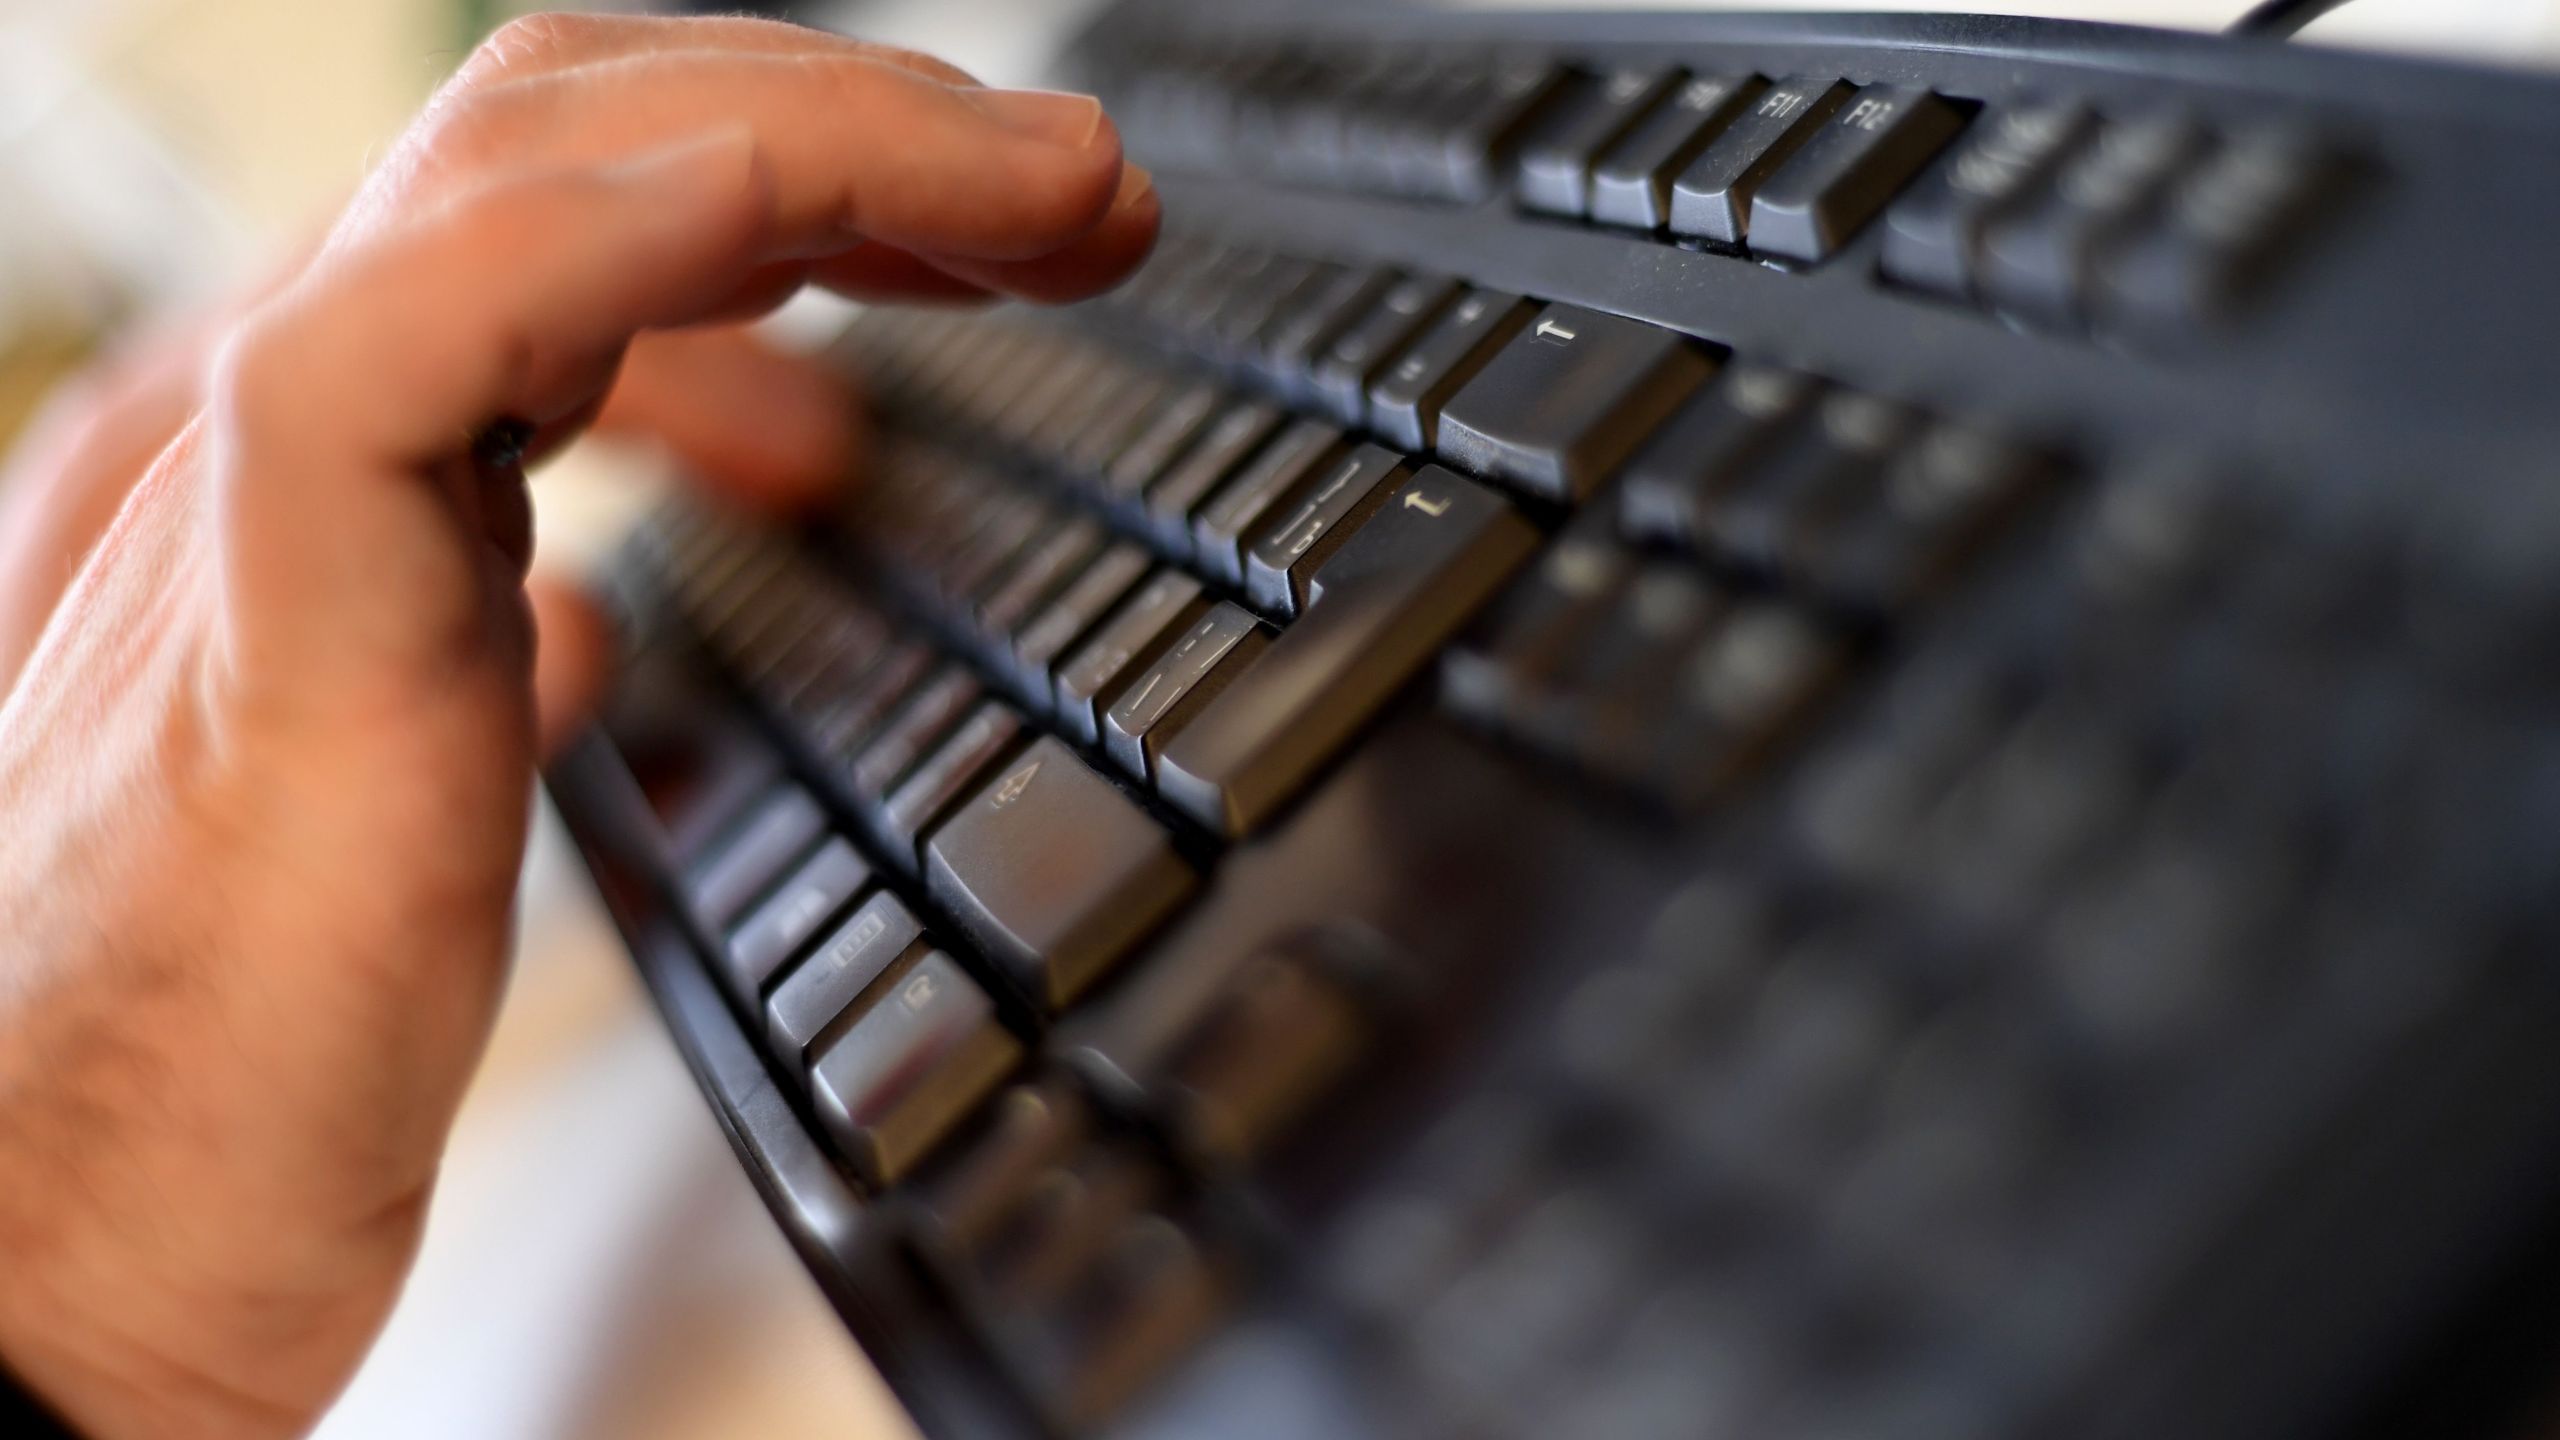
<point>1377,611</point>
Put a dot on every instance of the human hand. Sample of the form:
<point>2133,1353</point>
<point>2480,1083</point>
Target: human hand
<point>264,778</point>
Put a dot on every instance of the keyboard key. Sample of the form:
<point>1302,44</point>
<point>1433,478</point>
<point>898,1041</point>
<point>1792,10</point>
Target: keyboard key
<point>925,1049</point>
<point>936,710</point>
<point>1285,1029</point>
<point>1044,570</point>
<point>1675,483</point>
<point>1541,628</point>
<point>1189,674</point>
<point>1233,438</point>
<point>1299,334</point>
<point>2225,226</point>
<point>801,906</point>
<point>1376,614</point>
<point>1861,158</point>
<point>1129,641</point>
<point>950,772</point>
<point>845,724</point>
<point>1712,198</point>
<point>1933,239</point>
<point>1152,1292</point>
<point>1632,185</point>
<point>1277,565</point>
<point>1165,438</point>
<point>1358,354</point>
<point>826,984</point>
<point>1748,691</point>
<point>1556,160</point>
<point>1090,452</point>
<point>1032,1131</point>
<point>1566,401</point>
<point>777,833</point>
<point>1775,516</point>
<point>1247,502</point>
<point>1485,120</point>
<point>1405,400</point>
<point>2039,259</point>
<point>1073,615</point>
<point>1055,874</point>
<point>1940,501</point>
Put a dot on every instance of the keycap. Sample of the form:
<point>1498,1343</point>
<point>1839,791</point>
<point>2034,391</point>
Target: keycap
<point>852,720</point>
<point>1840,177</point>
<point>1043,571</point>
<point>1158,701</point>
<point>1013,521</point>
<point>825,985</point>
<point>1128,641</point>
<point>1632,184</point>
<point>1359,353</point>
<point>1278,563</point>
<point>1073,615</point>
<point>2224,229</point>
<point>1538,630</point>
<point>1165,438</point>
<point>1712,198</point>
<point>781,829</point>
<point>1152,1292</point>
<point>1376,613</point>
<point>1674,484</point>
<point>1247,502</point>
<point>1940,501</point>
<point>1485,119</point>
<point>1054,874</point>
<point>1556,160</point>
<point>2038,260</point>
<point>926,1048</point>
<point>790,917</point>
<point>1567,400</point>
<point>1031,1132</point>
<point>1234,437</point>
<point>1090,451</point>
<point>1747,692</point>
<point>1248,307</point>
<point>950,772</point>
<point>1933,237</point>
<point>1300,333</point>
<point>1777,513</point>
<point>1405,400</point>
<point>1282,1032</point>
<point>936,709</point>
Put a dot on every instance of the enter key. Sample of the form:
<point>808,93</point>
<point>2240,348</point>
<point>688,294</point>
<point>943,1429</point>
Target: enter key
<point>1377,612</point>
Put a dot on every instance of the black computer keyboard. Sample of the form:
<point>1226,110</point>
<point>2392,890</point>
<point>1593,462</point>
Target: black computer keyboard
<point>1687,727</point>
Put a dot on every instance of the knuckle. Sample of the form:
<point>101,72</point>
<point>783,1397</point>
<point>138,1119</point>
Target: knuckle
<point>253,378</point>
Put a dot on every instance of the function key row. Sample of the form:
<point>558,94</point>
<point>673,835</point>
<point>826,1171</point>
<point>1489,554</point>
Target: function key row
<point>1786,168</point>
<point>2145,226</point>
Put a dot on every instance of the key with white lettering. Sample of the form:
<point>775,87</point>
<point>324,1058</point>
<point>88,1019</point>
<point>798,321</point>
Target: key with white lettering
<point>1405,400</point>
<point>821,987</point>
<point>925,1048</point>
<point>1568,400</point>
<point>1376,613</point>
<point>1712,198</point>
<point>1844,174</point>
<point>1277,565</point>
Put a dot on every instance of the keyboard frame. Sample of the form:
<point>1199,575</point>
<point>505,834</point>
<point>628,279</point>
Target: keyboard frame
<point>2451,149</point>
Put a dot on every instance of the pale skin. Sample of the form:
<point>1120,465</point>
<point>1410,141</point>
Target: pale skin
<point>276,691</point>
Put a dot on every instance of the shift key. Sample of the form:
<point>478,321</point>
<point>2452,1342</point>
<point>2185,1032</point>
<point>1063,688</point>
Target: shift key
<point>1376,614</point>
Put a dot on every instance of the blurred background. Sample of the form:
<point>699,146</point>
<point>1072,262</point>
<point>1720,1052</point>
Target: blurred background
<point>597,1264</point>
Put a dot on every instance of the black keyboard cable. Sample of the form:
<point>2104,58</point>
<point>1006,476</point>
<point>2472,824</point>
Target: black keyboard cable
<point>2279,19</point>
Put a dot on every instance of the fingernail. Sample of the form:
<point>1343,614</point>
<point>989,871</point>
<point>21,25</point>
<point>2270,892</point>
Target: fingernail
<point>1135,186</point>
<point>1054,117</point>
